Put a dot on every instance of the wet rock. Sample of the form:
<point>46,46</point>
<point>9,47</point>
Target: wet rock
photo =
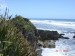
<point>39,51</point>
<point>61,35</point>
<point>48,35</point>
<point>73,36</point>
<point>46,44</point>
<point>64,37</point>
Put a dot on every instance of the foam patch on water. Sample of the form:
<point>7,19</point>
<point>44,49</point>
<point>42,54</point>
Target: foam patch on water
<point>50,24</point>
<point>64,47</point>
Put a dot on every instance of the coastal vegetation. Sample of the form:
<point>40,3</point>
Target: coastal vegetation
<point>17,36</point>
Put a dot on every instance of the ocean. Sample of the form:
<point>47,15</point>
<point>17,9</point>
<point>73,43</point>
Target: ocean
<point>64,47</point>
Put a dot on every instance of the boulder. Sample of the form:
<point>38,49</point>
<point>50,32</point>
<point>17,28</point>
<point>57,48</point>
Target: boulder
<point>61,35</point>
<point>48,35</point>
<point>64,37</point>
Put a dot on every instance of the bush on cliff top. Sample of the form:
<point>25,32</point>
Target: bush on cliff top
<point>12,41</point>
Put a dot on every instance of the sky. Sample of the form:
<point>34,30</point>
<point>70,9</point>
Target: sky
<point>52,9</point>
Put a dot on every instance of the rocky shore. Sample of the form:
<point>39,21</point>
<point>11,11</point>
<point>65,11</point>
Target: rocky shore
<point>21,32</point>
<point>47,38</point>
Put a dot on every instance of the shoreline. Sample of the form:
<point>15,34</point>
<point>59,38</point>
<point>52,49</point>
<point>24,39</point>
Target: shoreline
<point>66,34</point>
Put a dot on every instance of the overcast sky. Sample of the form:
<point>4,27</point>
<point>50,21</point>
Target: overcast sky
<point>57,9</point>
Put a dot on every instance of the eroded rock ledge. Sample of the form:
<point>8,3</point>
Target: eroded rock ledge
<point>47,38</point>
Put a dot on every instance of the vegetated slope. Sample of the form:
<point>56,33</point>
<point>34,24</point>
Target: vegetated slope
<point>17,37</point>
<point>27,28</point>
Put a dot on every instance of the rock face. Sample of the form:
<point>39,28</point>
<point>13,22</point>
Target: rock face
<point>47,38</point>
<point>46,43</point>
<point>48,35</point>
<point>61,36</point>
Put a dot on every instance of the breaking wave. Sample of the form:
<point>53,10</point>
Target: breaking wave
<point>66,27</point>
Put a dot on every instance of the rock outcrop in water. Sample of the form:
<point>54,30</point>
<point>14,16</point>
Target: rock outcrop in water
<point>64,37</point>
<point>48,35</point>
<point>47,38</point>
<point>61,36</point>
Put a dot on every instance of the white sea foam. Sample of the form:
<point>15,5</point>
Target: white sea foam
<point>68,28</point>
<point>50,24</point>
<point>61,45</point>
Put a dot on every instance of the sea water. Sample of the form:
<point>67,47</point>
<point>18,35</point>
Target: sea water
<point>64,47</point>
